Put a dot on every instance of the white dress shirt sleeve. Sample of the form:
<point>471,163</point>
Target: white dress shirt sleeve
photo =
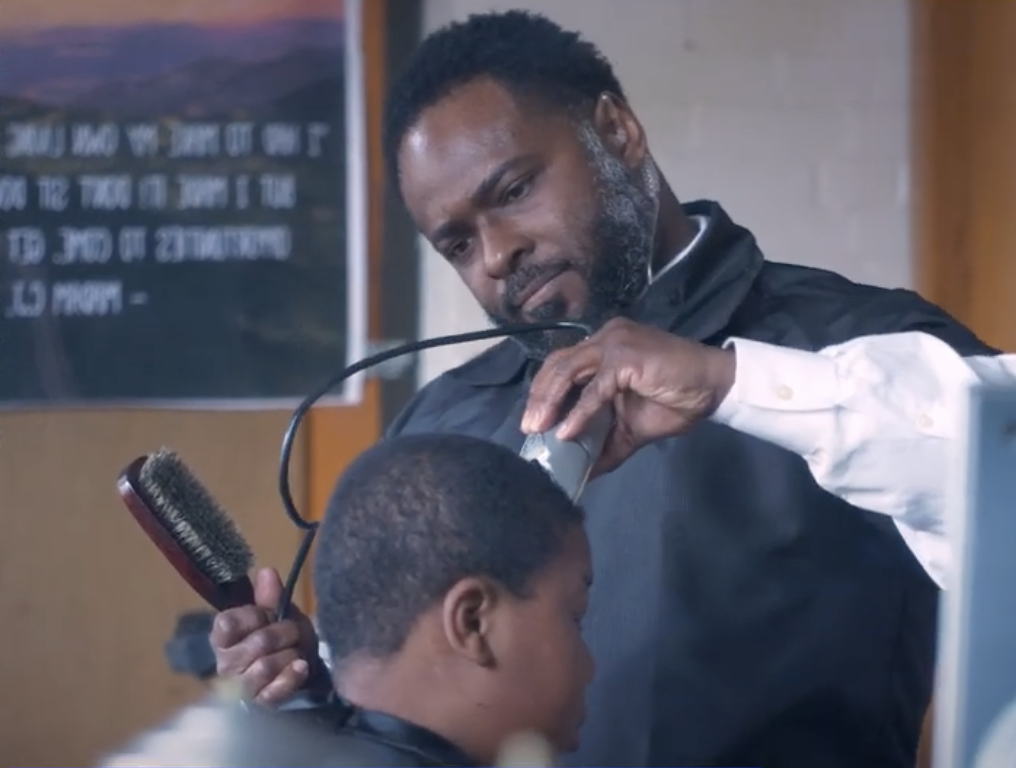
<point>876,418</point>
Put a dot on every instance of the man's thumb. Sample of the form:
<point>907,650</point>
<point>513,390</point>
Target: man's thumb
<point>267,588</point>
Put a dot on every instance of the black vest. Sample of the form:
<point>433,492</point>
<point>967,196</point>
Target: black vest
<point>741,616</point>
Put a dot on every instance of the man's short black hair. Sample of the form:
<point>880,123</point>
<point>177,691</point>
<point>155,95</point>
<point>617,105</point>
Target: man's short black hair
<point>525,52</point>
<point>415,514</point>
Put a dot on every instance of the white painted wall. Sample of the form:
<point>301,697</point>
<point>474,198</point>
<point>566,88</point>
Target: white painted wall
<point>793,114</point>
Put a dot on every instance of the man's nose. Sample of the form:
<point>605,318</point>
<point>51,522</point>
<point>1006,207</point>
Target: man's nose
<point>503,250</point>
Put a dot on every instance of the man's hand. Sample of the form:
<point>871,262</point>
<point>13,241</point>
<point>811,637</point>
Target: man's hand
<point>272,659</point>
<point>659,384</point>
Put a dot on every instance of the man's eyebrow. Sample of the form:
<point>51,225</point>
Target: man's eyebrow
<point>483,191</point>
<point>486,187</point>
<point>449,229</point>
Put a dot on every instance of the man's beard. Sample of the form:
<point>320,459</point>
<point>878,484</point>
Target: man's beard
<point>622,237</point>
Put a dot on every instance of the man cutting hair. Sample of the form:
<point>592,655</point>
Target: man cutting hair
<point>756,604</point>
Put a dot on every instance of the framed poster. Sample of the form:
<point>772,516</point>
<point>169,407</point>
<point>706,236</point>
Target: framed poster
<point>183,202</point>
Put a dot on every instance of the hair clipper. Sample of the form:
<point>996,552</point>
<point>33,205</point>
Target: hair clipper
<point>570,461</point>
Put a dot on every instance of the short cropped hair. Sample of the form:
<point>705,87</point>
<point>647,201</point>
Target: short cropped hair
<point>525,52</point>
<point>415,514</point>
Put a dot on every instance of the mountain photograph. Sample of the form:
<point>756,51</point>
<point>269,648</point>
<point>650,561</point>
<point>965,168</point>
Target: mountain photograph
<point>242,328</point>
<point>151,70</point>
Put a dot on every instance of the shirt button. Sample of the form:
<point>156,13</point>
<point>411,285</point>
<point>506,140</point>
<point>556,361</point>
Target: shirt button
<point>784,392</point>
<point>924,421</point>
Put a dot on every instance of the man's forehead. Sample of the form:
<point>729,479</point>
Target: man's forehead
<point>459,141</point>
<point>449,142</point>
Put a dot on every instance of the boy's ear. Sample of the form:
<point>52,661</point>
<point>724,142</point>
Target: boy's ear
<point>468,615</point>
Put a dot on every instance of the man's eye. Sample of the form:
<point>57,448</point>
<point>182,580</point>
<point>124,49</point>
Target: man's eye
<point>457,249</point>
<point>515,192</point>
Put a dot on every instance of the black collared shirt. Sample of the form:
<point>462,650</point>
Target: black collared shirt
<point>741,614</point>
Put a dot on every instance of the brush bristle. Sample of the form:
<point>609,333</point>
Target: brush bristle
<point>194,518</point>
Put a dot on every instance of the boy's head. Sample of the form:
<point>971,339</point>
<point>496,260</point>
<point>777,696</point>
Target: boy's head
<point>451,580</point>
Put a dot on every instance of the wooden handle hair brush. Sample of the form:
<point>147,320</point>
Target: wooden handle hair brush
<point>189,527</point>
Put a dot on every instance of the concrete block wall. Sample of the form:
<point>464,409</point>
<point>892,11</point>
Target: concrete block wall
<point>792,113</point>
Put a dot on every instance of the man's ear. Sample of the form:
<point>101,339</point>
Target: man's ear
<point>619,130</point>
<point>468,614</point>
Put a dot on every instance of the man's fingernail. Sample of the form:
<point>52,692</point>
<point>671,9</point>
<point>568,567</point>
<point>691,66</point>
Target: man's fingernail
<point>223,622</point>
<point>301,667</point>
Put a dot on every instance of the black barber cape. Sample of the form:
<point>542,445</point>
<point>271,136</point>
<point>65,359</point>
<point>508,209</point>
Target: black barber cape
<point>741,615</point>
<point>362,737</point>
